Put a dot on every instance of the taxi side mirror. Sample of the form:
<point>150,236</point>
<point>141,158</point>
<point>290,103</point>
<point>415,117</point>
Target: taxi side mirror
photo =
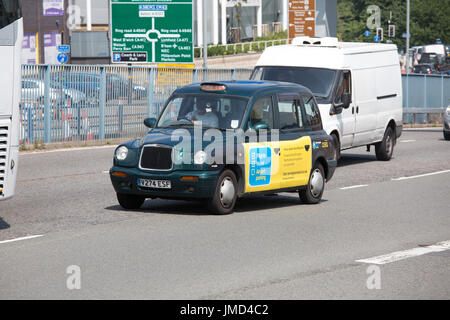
<point>261,126</point>
<point>150,122</point>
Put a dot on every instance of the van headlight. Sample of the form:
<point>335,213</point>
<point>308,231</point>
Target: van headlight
<point>448,111</point>
<point>200,157</point>
<point>121,153</point>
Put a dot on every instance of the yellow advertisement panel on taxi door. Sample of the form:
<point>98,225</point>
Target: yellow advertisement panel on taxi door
<point>277,165</point>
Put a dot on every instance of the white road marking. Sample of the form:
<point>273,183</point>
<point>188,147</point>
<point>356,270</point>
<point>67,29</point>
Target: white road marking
<point>405,254</point>
<point>105,172</point>
<point>420,175</point>
<point>405,141</point>
<point>354,187</point>
<point>21,239</point>
<point>67,150</point>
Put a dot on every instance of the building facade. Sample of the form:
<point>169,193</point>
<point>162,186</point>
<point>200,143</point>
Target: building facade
<point>84,24</point>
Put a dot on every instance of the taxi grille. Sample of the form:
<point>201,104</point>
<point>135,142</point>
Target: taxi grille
<point>156,158</point>
<point>3,153</point>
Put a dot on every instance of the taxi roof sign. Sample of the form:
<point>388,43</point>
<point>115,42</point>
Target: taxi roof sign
<point>213,87</point>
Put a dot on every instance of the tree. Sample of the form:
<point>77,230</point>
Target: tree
<point>429,20</point>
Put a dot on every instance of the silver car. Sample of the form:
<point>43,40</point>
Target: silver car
<point>33,90</point>
<point>447,123</point>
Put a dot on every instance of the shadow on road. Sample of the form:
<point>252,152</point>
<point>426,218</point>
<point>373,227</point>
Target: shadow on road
<point>3,224</point>
<point>351,159</point>
<point>198,208</point>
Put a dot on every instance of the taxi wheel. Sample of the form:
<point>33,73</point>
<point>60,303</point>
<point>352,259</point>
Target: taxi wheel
<point>385,148</point>
<point>316,185</point>
<point>130,201</point>
<point>225,196</point>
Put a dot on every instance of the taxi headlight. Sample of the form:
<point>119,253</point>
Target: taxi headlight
<point>200,157</point>
<point>121,153</point>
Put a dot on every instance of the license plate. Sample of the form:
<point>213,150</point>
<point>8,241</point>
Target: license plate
<point>156,184</point>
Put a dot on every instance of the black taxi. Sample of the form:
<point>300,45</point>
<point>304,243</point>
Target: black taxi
<point>225,140</point>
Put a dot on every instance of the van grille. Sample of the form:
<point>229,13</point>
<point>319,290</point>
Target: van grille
<point>3,159</point>
<point>156,158</point>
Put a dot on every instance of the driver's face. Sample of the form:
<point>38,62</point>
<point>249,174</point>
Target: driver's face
<point>201,107</point>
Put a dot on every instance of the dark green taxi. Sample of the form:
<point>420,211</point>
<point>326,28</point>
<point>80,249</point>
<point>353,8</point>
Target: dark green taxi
<point>221,141</point>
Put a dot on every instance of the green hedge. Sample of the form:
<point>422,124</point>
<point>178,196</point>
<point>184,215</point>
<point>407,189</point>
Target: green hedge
<point>220,50</point>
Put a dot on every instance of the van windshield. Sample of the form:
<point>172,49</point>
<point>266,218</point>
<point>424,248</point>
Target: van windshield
<point>319,81</point>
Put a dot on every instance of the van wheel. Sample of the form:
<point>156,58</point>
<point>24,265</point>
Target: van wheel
<point>316,185</point>
<point>446,135</point>
<point>225,196</point>
<point>385,148</point>
<point>130,201</point>
<point>337,147</point>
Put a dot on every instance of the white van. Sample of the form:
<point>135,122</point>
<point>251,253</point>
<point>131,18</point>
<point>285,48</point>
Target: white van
<point>358,87</point>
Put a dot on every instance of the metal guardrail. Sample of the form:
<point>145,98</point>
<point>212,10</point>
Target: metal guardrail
<point>425,97</point>
<point>82,102</point>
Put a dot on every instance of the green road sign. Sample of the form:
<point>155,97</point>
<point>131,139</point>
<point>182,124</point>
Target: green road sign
<point>151,31</point>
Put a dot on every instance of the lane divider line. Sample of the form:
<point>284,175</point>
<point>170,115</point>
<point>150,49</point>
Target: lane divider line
<point>405,254</point>
<point>21,239</point>
<point>420,175</point>
<point>405,141</point>
<point>354,187</point>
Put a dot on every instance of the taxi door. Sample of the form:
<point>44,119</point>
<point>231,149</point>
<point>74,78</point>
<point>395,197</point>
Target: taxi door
<point>295,141</point>
<point>261,155</point>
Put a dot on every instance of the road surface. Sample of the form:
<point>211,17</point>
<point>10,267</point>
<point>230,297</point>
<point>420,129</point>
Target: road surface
<point>270,248</point>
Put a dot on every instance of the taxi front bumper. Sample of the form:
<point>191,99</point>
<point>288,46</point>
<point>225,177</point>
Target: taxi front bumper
<point>202,188</point>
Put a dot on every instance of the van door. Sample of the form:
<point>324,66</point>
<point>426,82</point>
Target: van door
<point>345,119</point>
<point>366,106</point>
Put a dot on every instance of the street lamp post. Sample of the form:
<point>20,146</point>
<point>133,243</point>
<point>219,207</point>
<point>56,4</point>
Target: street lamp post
<point>205,43</point>
<point>407,36</point>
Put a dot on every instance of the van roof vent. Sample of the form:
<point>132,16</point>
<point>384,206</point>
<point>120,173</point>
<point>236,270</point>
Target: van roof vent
<point>319,42</point>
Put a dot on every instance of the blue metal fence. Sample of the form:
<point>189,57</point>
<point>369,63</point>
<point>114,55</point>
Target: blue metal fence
<point>82,102</point>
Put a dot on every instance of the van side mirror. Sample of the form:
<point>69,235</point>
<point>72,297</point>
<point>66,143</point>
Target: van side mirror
<point>346,100</point>
<point>150,122</point>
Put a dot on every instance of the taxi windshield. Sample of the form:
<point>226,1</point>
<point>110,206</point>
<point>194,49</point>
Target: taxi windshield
<point>208,110</point>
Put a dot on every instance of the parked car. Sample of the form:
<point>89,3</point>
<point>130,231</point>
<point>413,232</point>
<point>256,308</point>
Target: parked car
<point>424,69</point>
<point>89,83</point>
<point>273,129</point>
<point>33,90</point>
<point>447,123</point>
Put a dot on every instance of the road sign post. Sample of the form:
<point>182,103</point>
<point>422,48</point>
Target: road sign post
<point>151,32</point>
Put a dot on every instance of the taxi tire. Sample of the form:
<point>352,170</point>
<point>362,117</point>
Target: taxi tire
<point>305,194</point>
<point>388,142</point>
<point>215,203</point>
<point>130,201</point>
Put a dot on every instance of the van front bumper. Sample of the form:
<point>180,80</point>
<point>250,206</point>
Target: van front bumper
<point>203,188</point>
